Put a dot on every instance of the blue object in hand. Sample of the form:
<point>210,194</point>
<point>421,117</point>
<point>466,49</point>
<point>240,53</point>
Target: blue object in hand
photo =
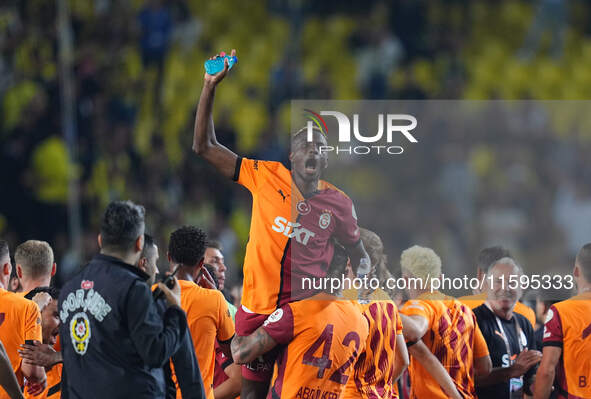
<point>217,64</point>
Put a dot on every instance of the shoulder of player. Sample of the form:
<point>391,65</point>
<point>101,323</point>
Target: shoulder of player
<point>269,165</point>
<point>17,299</point>
<point>20,305</point>
<point>189,288</point>
<point>327,189</point>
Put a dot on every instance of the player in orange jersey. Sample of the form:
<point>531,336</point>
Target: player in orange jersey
<point>20,322</point>
<point>8,380</point>
<point>446,326</point>
<point>385,356</point>
<point>485,258</point>
<point>207,312</point>
<point>293,212</point>
<point>188,377</point>
<point>374,377</point>
<point>322,338</point>
<point>566,363</point>
<point>50,326</point>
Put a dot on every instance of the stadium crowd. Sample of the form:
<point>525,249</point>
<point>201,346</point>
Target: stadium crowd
<point>131,135</point>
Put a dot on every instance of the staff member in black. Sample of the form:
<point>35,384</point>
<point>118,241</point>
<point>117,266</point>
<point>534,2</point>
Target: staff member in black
<point>186,366</point>
<point>510,336</point>
<point>114,340</point>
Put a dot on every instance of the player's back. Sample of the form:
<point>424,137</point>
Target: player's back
<point>372,376</point>
<point>20,320</point>
<point>451,337</point>
<point>327,337</point>
<point>208,319</point>
<point>568,324</point>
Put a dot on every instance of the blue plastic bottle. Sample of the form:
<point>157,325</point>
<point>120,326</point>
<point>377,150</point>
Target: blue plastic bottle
<point>217,64</point>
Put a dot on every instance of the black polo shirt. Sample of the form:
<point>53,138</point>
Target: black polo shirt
<point>489,325</point>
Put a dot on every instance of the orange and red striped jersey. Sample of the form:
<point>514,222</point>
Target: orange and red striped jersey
<point>568,326</point>
<point>323,339</point>
<point>290,236</point>
<point>453,337</point>
<point>372,376</point>
<point>20,320</point>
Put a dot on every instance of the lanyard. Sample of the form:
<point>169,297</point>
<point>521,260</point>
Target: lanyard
<point>502,331</point>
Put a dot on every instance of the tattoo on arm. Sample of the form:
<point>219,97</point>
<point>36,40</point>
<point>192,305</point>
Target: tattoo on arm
<point>247,348</point>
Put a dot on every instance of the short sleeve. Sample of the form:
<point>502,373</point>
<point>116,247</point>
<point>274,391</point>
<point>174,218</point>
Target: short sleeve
<point>252,173</point>
<point>347,232</point>
<point>280,325</point>
<point>480,347</point>
<point>416,308</point>
<point>33,323</point>
<point>398,323</point>
<point>225,322</point>
<point>553,328</point>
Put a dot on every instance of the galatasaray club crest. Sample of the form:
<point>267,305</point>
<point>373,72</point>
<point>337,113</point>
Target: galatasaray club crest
<point>324,220</point>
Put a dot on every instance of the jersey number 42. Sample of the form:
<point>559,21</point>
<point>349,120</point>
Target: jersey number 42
<point>324,362</point>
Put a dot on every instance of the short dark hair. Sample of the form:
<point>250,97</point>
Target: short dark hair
<point>123,222</point>
<point>149,244</point>
<point>211,271</point>
<point>488,255</point>
<point>584,261</point>
<point>214,244</point>
<point>53,292</point>
<point>302,134</point>
<point>3,248</point>
<point>187,245</point>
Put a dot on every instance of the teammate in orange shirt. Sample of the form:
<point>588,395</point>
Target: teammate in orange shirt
<point>8,380</point>
<point>374,377</point>
<point>20,322</point>
<point>446,326</point>
<point>293,212</point>
<point>385,356</point>
<point>485,258</point>
<point>322,338</point>
<point>207,312</point>
<point>566,363</point>
<point>50,326</point>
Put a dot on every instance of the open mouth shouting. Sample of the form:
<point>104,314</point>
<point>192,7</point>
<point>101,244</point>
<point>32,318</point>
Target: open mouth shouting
<point>311,165</point>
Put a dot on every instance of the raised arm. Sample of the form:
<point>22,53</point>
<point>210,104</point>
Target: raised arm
<point>205,143</point>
